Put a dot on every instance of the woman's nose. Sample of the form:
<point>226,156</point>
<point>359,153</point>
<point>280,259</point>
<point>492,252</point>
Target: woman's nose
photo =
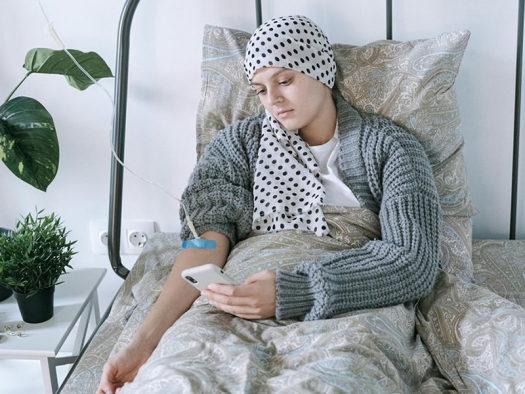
<point>274,97</point>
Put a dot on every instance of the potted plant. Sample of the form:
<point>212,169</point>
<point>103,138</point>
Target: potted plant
<point>32,258</point>
<point>5,293</point>
<point>28,138</point>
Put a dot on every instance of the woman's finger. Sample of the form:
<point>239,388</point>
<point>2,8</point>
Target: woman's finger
<point>259,276</point>
<point>250,301</point>
<point>246,312</point>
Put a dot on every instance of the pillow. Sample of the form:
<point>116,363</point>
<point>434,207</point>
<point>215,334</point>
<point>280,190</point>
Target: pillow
<point>408,82</point>
<point>225,95</point>
<point>499,267</point>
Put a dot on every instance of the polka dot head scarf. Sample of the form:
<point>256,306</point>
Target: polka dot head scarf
<point>288,193</point>
<point>293,42</point>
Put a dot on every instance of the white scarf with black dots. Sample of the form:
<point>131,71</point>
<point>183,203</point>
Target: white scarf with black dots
<point>287,190</point>
<point>287,187</point>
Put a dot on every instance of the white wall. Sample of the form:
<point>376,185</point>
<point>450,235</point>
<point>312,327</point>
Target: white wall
<point>165,89</point>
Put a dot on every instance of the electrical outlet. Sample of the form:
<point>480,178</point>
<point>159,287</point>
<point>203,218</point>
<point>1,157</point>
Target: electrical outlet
<point>136,235</point>
<point>137,239</point>
<point>103,238</point>
<point>133,236</point>
<point>99,236</point>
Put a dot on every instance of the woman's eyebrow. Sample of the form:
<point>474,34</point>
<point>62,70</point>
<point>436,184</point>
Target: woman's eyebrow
<point>276,73</point>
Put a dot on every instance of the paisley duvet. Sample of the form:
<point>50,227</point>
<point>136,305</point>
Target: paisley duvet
<point>462,337</point>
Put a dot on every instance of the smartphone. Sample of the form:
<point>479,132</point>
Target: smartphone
<point>200,277</point>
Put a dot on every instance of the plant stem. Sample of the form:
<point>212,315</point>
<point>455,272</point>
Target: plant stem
<point>17,86</point>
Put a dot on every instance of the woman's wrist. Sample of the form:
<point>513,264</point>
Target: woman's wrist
<point>145,341</point>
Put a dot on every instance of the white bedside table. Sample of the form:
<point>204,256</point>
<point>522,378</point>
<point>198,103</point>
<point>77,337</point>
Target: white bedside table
<point>74,300</point>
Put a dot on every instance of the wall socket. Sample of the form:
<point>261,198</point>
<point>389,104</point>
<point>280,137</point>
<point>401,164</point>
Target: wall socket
<point>134,235</point>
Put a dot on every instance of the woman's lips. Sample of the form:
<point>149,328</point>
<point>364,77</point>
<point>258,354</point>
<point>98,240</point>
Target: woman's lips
<point>284,113</point>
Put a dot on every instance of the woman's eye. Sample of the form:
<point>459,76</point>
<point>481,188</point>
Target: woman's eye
<point>260,91</point>
<point>285,82</point>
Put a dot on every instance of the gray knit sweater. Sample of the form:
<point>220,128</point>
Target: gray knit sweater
<point>388,171</point>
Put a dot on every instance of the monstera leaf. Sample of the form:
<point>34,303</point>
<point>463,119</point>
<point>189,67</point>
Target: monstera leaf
<point>28,141</point>
<point>49,61</point>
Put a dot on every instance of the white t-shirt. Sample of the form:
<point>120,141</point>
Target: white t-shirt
<point>327,157</point>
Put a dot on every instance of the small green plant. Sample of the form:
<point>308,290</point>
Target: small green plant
<point>35,254</point>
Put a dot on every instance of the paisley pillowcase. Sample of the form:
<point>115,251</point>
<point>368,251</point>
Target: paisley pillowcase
<point>408,82</point>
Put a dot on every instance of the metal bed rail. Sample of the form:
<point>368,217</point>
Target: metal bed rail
<point>119,137</point>
<point>517,123</point>
<point>119,125</point>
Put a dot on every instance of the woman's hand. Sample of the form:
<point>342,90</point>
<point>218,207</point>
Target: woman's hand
<point>121,369</point>
<point>255,299</point>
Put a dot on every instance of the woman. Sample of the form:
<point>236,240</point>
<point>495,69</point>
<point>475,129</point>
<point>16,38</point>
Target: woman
<point>275,172</point>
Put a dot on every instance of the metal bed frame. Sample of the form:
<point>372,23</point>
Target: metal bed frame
<point>119,134</point>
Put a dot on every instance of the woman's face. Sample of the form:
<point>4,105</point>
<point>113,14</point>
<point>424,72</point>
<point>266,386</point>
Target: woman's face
<point>296,100</point>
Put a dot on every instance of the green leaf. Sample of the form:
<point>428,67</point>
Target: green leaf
<point>28,141</point>
<point>49,61</point>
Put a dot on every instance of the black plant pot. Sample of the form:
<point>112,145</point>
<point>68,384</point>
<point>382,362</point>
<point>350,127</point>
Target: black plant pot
<point>5,293</point>
<point>37,308</point>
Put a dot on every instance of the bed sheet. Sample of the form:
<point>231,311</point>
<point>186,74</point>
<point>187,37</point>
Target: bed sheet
<point>443,343</point>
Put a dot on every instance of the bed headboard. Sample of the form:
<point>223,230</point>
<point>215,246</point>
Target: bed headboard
<point>119,125</point>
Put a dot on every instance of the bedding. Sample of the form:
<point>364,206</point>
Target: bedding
<point>444,342</point>
<point>437,345</point>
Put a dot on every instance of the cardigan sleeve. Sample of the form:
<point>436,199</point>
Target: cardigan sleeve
<point>398,268</point>
<point>219,192</point>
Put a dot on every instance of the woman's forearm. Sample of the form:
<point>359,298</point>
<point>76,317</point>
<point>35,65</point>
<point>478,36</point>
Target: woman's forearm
<point>177,295</point>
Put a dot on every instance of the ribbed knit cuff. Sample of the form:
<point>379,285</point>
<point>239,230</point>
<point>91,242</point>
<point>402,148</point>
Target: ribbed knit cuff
<point>295,297</point>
